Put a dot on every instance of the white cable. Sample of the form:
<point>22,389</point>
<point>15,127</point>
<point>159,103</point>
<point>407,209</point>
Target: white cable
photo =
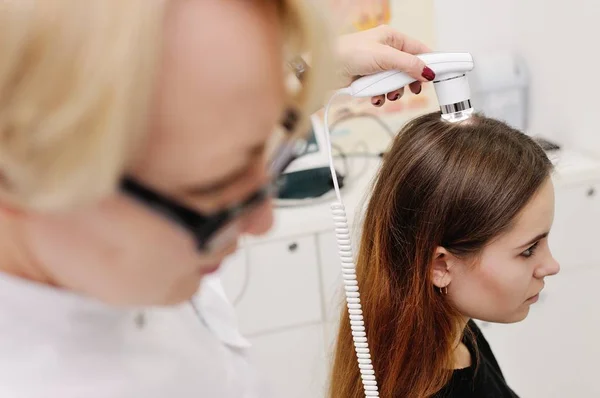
<point>328,141</point>
<point>342,236</point>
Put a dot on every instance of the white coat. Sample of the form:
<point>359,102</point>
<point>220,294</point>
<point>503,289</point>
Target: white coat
<point>56,344</point>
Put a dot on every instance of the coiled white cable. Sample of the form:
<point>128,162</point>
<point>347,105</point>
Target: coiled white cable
<point>342,235</point>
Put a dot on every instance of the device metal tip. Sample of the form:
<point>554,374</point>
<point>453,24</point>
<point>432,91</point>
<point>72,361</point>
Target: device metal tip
<point>458,116</point>
<point>457,112</point>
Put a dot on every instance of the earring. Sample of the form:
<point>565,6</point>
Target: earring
<point>444,290</point>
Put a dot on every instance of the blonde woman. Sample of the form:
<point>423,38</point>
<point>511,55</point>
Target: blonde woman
<point>134,142</point>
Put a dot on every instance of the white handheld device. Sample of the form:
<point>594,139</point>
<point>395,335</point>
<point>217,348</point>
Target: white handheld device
<point>454,96</point>
<point>451,84</point>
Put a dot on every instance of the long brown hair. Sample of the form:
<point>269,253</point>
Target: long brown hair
<point>452,185</point>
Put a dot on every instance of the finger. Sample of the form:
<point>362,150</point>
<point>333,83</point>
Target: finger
<point>389,58</point>
<point>378,100</point>
<point>395,95</point>
<point>416,87</point>
<point>402,42</point>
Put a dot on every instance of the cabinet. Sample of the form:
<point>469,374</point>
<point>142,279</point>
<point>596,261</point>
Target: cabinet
<point>292,362</point>
<point>331,275</point>
<point>281,287</point>
<point>575,231</point>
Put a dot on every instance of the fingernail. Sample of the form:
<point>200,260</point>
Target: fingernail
<point>420,89</point>
<point>377,103</point>
<point>428,73</point>
<point>396,97</point>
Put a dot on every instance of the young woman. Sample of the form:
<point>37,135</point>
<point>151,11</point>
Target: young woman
<point>456,229</point>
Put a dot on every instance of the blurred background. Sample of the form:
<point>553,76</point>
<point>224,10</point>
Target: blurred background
<point>536,69</point>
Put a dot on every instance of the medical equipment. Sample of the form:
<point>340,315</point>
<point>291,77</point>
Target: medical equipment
<point>311,152</point>
<point>454,97</point>
<point>306,184</point>
<point>307,176</point>
<point>307,180</point>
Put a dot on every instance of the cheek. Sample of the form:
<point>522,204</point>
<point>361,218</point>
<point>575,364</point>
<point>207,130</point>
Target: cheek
<point>493,291</point>
<point>117,252</point>
<point>506,281</point>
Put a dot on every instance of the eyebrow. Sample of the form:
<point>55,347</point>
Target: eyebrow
<point>229,179</point>
<point>537,238</point>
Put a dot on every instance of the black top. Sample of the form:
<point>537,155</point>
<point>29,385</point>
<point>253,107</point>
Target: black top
<point>483,379</point>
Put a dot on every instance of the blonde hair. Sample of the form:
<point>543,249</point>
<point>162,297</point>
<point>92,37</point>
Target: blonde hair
<point>76,79</point>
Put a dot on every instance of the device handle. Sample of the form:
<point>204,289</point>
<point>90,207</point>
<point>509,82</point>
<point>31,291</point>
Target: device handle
<point>445,66</point>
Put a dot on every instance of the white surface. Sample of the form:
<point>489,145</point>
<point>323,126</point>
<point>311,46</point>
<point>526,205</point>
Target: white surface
<point>331,275</point>
<point>294,300</point>
<point>294,361</point>
<point>554,39</point>
<point>499,85</point>
<point>575,235</point>
<point>475,25</point>
<point>452,91</point>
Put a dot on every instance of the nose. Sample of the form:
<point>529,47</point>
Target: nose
<point>260,220</point>
<point>548,268</point>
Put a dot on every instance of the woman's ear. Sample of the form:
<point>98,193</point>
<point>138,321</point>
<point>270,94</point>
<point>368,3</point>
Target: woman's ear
<point>440,267</point>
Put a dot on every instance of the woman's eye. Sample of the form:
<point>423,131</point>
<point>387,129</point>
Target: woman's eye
<point>531,251</point>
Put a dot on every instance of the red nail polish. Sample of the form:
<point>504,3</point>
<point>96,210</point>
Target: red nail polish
<point>396,97</point>
<point>377,103</point>
<point>428,73</point>
<point>420,89</point>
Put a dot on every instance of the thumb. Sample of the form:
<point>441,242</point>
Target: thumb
<point>389,58</point>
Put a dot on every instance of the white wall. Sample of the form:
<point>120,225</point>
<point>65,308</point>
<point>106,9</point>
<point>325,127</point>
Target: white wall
<point>556,38</point>
<point>476,26</point>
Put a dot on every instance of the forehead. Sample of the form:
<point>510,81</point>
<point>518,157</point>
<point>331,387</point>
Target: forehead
<point>221,87</point>
<point>534,219</point>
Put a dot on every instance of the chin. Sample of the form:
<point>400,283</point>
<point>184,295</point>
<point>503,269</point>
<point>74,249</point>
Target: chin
<point>523,314</point>
<point>517,317</point>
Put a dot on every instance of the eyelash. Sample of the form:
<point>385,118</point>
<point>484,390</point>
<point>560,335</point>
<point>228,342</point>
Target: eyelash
<point>531,251</point>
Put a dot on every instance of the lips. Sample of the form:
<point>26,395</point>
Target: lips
<point>536,296</point>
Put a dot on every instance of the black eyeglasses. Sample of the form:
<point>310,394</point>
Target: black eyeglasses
<point>216,231</point>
